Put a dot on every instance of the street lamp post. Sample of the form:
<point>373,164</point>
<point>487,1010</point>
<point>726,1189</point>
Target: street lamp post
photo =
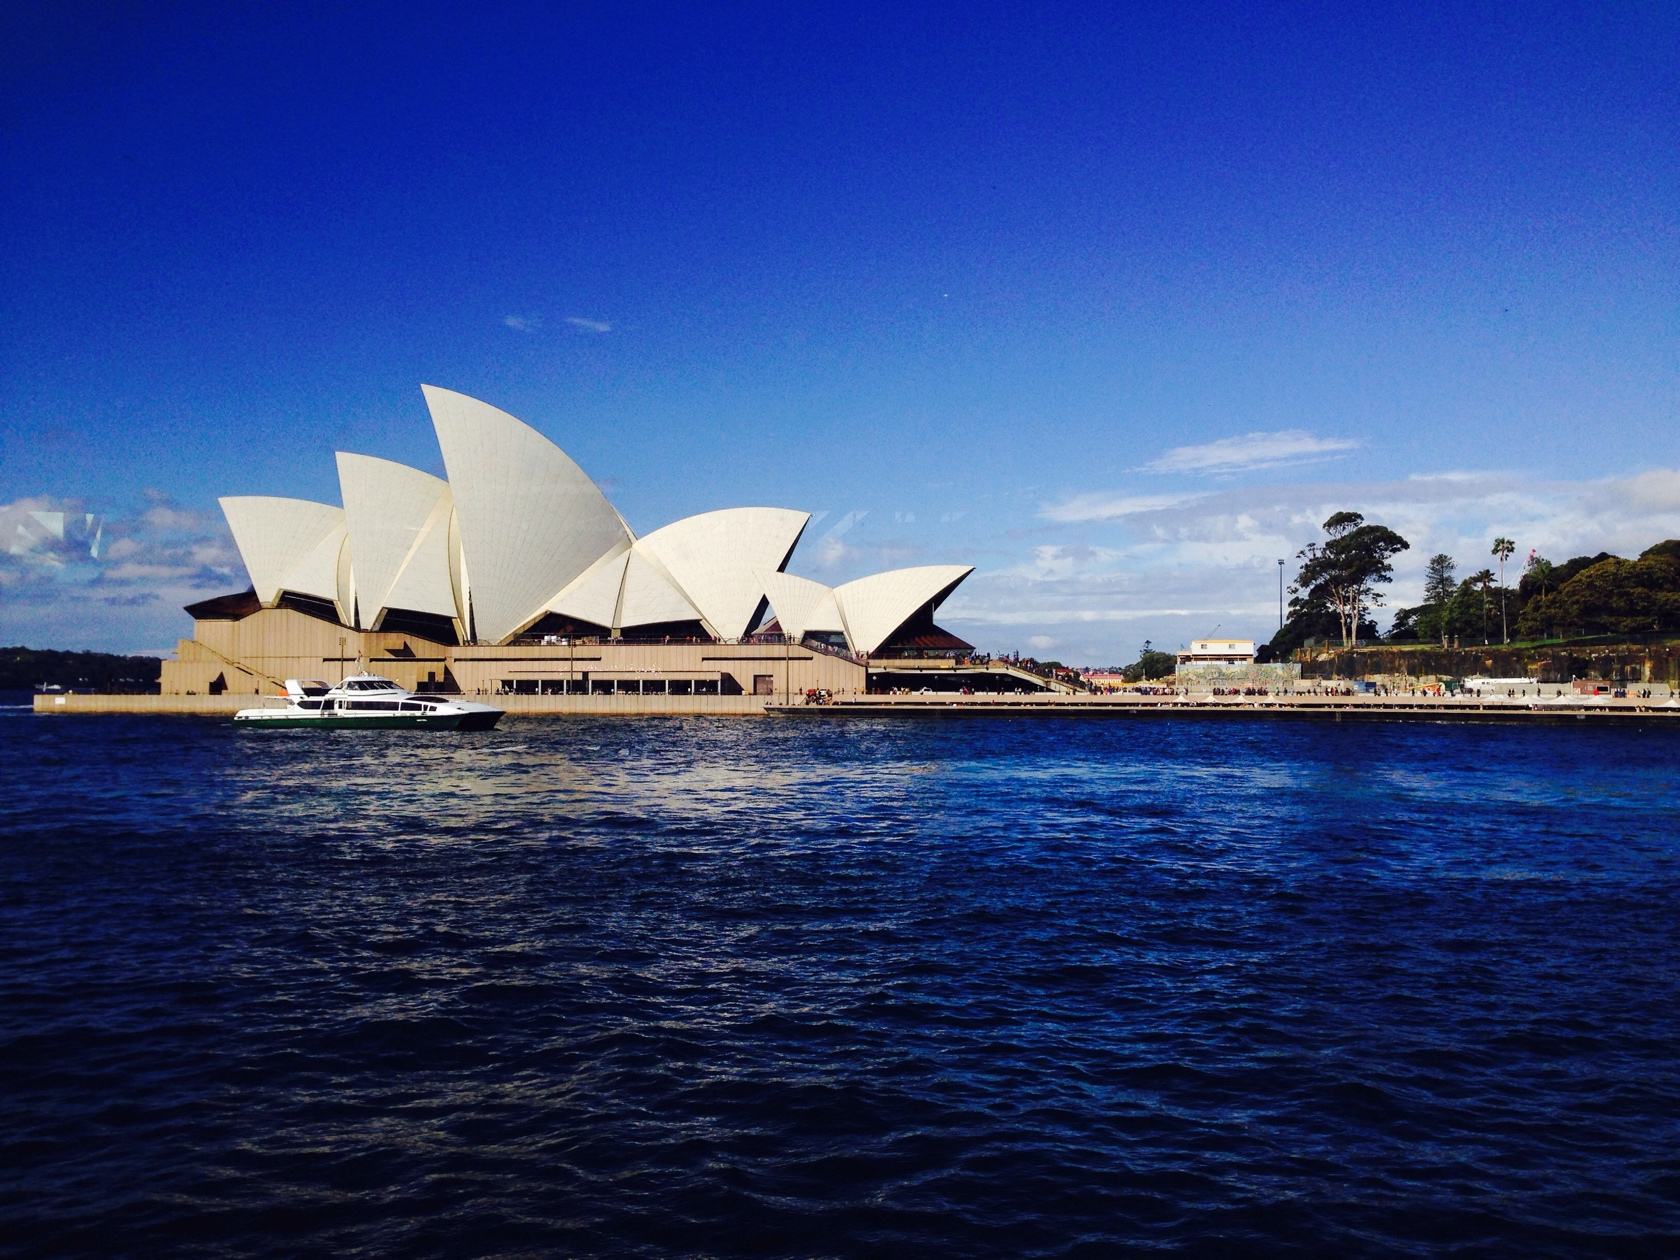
<point>1280,594</point>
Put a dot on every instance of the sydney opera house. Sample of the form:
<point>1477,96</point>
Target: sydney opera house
<point>516,576</point>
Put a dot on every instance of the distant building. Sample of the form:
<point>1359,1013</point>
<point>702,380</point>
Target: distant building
<point>1217,654</point>
<point>1224,665</point>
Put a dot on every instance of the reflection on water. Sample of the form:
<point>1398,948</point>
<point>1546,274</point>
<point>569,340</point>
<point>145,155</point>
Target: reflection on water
<point>1001,987</point>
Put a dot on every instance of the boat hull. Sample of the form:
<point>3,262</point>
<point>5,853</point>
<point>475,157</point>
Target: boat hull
<point>374,722</point>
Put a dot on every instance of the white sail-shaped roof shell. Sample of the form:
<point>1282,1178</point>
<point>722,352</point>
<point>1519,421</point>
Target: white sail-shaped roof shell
<point>530,519</point>
<point>716,558</point>
<point>801,605</point>
<point>287,544</point>
<point>390,508</point>
<point>877,605</point>
<point>649,596</point>
<point>424,584</point>
<point>324,572</point>
<point>593,595</point>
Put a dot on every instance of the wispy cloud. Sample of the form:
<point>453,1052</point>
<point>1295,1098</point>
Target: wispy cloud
<point>1454,474</point>
<point>589,325</point>
<point>522,323</point>
<point>1249,452</point>
<point>1111,507</point>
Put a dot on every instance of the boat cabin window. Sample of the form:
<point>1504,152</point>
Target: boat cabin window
<point>370,684</point>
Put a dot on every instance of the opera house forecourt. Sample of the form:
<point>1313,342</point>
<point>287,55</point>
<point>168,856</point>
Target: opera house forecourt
<point>516,577</point>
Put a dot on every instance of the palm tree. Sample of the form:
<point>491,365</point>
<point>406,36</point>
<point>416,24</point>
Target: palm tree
<point>1483,582</point>
<point>1540,569</point>
<point>1503,547</point>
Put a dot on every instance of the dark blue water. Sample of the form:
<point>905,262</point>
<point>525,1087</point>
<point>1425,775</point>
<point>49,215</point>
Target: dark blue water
<point>825,988</point>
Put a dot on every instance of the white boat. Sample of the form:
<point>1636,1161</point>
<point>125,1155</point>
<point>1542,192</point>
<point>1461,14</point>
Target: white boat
<point>368,702</point>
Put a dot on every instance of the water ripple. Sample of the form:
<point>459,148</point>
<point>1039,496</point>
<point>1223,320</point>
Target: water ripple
<point>1002,987</point>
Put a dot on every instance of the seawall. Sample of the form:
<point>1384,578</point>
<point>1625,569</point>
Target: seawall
<point>1331,708</point>
<point>1399,708</point>
<point>1635,664</point>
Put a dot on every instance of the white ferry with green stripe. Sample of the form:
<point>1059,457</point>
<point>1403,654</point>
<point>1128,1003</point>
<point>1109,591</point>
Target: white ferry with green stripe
<point>367,702</point>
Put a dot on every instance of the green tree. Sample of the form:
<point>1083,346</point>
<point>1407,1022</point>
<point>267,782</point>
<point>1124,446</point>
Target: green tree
<point>1343,573</point>
<point>1483,582</point>
<point>1503,547</point>
<point>1438,591</point>
<point>1537,581</point>
<point>1404,627</point>
<point>1150,665</point>
<point>1620,597</point>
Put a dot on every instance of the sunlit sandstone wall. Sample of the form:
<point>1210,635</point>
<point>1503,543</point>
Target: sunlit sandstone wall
<point>255,654</point>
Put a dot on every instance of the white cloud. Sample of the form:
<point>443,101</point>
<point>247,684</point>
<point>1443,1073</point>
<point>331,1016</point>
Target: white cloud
<point>589,325</point>
<point>1101,506</point>
<point>1041,641</point>
<point>522,323</point>
<point>1657,490</point>
<point>166,516</point>
<point>147,572</point>
<point>1459,475</point>
<point>1249,452</point>
<point>1175,572</point>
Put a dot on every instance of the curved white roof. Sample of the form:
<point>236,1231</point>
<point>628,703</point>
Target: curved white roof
<point>344,581</point>
<point>801,605</point>
<point>530,519</point>
<point>879,604</point>
<point>593,595</point>
<point>716,557</point>
<point>649,596</point>
<point>321,571</point>
<point>388,508</point>
<point>424,583</point>
<point>279,540</point>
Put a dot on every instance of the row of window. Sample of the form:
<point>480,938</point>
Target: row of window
<point>366,706</point>
<point>617,686</point>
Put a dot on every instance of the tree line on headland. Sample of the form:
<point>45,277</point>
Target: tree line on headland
<point>1341,579</point>
<point>23,669</point>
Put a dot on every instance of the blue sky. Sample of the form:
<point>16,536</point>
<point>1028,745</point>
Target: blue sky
<point>1115,307</point>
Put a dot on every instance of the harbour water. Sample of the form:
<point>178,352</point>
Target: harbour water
<point>766,987</point>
